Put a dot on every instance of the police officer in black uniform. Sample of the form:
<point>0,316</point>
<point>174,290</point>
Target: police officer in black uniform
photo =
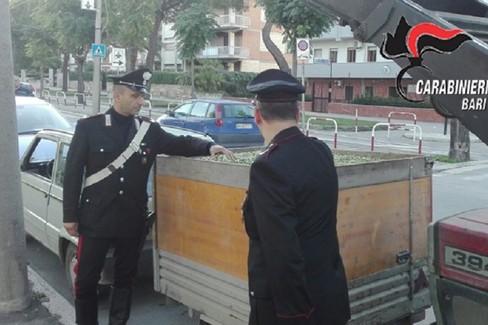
<point>109,205</point>
<point>296,275</point>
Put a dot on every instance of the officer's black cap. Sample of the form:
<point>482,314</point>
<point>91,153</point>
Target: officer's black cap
<point>136,80</point>
<point>274,85</point>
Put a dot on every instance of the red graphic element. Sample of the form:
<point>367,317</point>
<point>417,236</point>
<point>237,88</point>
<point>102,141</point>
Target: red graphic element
<point>428,29</point>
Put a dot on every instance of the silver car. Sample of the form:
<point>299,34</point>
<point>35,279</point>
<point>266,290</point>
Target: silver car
<point>33,115</point>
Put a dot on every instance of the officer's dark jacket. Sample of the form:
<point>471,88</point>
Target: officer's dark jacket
<point>290,218</point>
<point>114,207</point>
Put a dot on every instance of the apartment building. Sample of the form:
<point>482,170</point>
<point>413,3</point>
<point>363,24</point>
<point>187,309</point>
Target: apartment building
<point>238,44</point>
<point>342,68</point>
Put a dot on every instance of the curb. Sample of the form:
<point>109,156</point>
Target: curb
<point>441,167</point>
<point>57,305</point>
<point>440,137</point>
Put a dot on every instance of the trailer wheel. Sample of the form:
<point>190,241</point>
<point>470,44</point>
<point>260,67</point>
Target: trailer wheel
<point>69,265</point>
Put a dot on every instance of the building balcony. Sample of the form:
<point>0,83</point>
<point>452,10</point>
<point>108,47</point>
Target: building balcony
<point>233,22</point>
<point>225,53</point>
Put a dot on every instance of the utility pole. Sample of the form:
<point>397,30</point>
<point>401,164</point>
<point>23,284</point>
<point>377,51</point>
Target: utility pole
<point>15,290</point>
<point>97,62</point>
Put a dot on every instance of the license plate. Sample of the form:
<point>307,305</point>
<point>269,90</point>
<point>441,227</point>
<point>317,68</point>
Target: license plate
<point>243,125</point>
<point>466,261</point>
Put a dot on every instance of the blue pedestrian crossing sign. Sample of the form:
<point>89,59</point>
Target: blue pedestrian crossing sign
<point>98,50</point>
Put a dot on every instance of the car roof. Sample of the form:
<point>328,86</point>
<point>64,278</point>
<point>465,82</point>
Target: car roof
<point>68,134</point>
<point>24,100</point>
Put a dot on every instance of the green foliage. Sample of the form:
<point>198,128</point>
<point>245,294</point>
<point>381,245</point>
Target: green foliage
<point>166,77</point>
<point>236,82</point>
<point>445,159</point>
<point>209,76</point>
<point>397,102</point>
<point>128,23</point>
<point>297,18</point>
<point>194,28</point>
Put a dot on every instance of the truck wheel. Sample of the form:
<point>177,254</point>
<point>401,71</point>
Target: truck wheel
<point>69,265</point>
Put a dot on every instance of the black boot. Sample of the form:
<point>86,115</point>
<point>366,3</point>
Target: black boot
<point>120,302</point>
<point>86,311</point>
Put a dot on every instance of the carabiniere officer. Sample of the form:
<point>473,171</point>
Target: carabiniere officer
<point>115,151</point>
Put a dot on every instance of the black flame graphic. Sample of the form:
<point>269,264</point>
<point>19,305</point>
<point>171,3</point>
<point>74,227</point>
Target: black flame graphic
<point>412,42</point>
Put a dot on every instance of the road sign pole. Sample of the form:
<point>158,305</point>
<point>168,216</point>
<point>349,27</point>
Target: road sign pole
<point>97,62</point>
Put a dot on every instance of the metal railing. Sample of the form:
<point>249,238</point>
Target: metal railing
<point>233,21</point>
<point>225,52</point>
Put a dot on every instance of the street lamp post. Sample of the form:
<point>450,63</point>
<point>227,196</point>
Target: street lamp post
<point>97,62</point>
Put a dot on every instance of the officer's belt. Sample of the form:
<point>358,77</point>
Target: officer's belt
<point>133,147</point>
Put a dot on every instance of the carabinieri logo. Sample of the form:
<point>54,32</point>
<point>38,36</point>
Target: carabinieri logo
<point>413,41</point>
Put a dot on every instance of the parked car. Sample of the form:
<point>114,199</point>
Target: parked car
<point>229,123</point>
<point>25,89</point>
<point>33,115</point>
<point>42,171</point>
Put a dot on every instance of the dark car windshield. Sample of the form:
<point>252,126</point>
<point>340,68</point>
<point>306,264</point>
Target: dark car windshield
<point>35,117</point>
<point>238,110</point>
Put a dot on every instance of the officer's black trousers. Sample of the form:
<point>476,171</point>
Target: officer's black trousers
<point>91,259</point>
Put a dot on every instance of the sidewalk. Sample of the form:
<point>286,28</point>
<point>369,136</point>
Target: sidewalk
<point>47,306</point>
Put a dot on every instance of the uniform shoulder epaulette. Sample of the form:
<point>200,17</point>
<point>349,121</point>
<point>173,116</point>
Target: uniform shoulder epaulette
<point>87,117</point>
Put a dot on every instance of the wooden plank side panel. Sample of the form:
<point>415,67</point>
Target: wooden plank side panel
<point>202,222</point>
<point>373,224</point>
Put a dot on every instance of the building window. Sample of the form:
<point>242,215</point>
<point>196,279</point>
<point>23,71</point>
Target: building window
<point>372,54</point>
<point>368,91</point>
<point>333,55</point>
<point>351,54</point>
<point>392,92</point>
<point>349,93</point>
<point>317,54</point>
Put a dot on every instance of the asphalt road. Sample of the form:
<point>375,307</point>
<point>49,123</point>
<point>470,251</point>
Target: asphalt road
<point>454,190</point>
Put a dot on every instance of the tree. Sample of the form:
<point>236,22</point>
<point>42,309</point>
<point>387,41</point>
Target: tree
<point>167,12</point>
<point>128,25</point>
<point>74,29</point>
<point>194,28</point>
<point>298,20</point>
<point>20,14</point>
<point>210,76</point>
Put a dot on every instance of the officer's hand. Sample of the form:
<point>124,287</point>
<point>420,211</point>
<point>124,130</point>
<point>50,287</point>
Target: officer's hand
<point>219,150</point>
<point>71,228</point>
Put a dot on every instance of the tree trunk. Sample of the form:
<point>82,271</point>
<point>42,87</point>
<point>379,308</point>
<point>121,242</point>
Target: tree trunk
<point>81,68</point>
<point>153,43</point>
<point>65,72</point>
<point>41,79</point>
<point>132,59</point>
<point>273,49</point>
<point>192,77</point>
<point>460,146</point>
<point>153,40</point>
